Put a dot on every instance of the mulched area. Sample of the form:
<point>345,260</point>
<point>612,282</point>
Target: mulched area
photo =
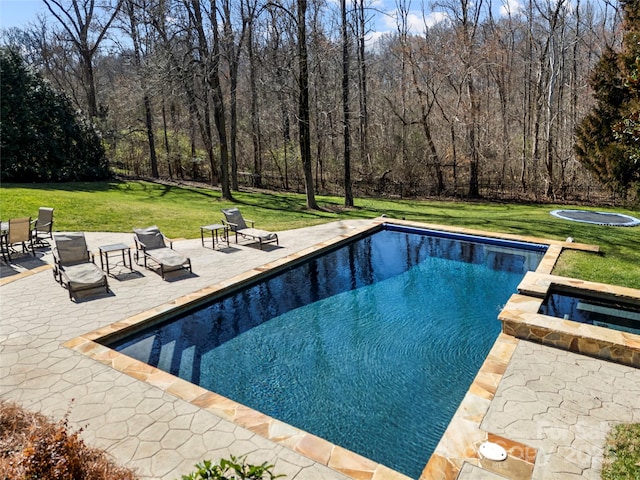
<point>34,446</point>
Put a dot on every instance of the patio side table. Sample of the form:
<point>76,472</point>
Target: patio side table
<point>105,250</point>
<point>219,233</point>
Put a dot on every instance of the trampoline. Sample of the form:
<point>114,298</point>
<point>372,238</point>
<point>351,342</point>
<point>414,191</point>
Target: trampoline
<point>597,218</point>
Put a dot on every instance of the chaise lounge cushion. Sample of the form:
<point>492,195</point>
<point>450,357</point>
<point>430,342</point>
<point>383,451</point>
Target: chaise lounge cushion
<point>169,258</point>
<point>257,233</point>
<point>84,276</point>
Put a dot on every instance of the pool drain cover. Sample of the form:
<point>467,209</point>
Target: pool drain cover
<point>493,451</point>
<point>597,218</point>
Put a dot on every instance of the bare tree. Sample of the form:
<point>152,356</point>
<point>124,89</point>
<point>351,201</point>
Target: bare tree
<point>210,64</point>
<point>478,102</point>
<point>130,8</point>
<point>346,129</point>
<point>426,93</point>
<point>232,45</point>
<point>87,24</point>
<point>304,129</point>
<point>361,26</point>
<point>304,117</point>
<point>256,140</point>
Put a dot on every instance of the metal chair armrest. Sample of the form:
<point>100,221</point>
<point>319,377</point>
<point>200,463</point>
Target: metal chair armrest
<point>140,245</point>
<point>233,226</point>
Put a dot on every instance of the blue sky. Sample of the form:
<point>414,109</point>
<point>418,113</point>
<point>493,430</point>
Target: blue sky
<point>18,13</point>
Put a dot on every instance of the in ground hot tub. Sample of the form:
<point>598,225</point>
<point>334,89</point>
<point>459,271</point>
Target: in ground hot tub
<point>599,310</point>
<point>570,314</point>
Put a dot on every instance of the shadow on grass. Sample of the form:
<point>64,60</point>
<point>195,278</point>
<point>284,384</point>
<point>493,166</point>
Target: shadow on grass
<point>65,187</point>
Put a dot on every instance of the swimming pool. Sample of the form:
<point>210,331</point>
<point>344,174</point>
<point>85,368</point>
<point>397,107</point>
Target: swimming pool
<point>374,353</point>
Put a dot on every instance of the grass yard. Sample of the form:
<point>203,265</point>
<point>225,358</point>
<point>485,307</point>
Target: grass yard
<point>119,206</point>
<point>622,453</point>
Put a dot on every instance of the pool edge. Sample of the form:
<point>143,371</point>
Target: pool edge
<point>319,450</point>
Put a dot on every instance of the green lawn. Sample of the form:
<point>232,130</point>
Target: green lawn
<point>179,211</point>
<point>622,453</point>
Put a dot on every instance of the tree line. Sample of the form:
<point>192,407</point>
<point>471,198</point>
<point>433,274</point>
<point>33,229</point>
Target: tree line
<point>301,95</point>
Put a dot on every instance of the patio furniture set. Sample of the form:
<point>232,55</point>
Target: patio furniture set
<point>74,265</point>
<point>25,233</point>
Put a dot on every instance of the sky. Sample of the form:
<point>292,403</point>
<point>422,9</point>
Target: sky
<point>19,13</point>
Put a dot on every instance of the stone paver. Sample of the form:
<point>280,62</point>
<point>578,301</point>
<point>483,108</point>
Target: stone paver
<point>143,427</point>
<point>558,402</point>
<point>564,404</point>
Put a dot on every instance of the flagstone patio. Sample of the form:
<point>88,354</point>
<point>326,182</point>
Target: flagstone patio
<point>556,404</point>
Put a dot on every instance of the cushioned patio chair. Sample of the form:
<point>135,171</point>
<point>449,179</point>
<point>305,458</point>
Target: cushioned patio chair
<point>74,266</point>
<point>42,226</point>
<point>237,224</point>
<point>19,233</point>
<point>151,245</point>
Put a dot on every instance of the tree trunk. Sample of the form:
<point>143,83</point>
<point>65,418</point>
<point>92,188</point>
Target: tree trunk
<point>148,115</point>
<point>218,106</point>
<point>346,131</point>
<point>365,158</point>
<point>304,130</point>
<point>167,148</point>
<point>255,117</point>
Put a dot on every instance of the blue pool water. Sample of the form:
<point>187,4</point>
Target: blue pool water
<point>371,346</point>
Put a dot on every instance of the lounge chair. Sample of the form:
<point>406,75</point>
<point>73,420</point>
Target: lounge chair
<point>151,244</point>
<point>237,224</point>
<point>19,233</point>
<point>42,226</point>
<point>74,266</point>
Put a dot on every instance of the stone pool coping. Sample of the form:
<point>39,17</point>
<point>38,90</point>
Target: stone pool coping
<point>453,450</point>
<point>520,318</point>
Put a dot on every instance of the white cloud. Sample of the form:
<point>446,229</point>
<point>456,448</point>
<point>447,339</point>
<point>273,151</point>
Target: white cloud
<point>372,38</point>
<point>510,7</point>
<point>416,21</point>
<point>435,17</point>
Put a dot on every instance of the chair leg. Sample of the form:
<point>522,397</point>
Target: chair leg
<point>4,247</point>
<point>26,247</point>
